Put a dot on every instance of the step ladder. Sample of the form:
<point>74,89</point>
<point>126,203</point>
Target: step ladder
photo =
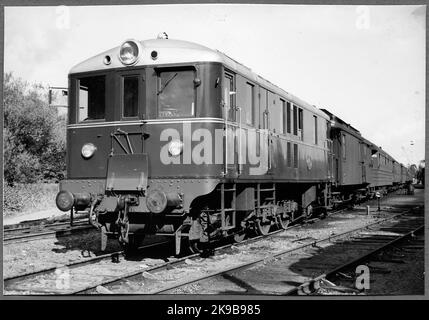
<point>226,211</point>
<point>266,192</point>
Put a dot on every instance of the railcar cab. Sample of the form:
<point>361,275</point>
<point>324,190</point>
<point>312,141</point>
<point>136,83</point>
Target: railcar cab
<point>161,88</point>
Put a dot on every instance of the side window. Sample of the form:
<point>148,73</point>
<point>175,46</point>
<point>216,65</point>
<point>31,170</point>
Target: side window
<point>284,115</point>
<point>92,96</point>
<point>295,120</point>
<point>130,96</point>
<point>315,129</point>
<point>300,123</point>
<point>250,103</point>
<point>295,155</point>
<point>343,145</point>
<point>289,155</point>
<point>288,117</point>
<point>279,120</point>
<point>229,94</point>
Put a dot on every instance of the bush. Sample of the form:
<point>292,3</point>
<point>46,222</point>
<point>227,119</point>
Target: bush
<point>34,134</point>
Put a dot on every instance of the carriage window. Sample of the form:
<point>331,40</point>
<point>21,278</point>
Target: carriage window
<point>295,155</point>
<point>343,144</point>
<point>131,95</point>
<point>250,105</point>
<point>295,120</point>
<point>284,115</point>
<point>315,129</point>
<point>300,123</point>
<point>91,100</point>
<point>176,94</point>
<point>289,155</point>
<point>288,117</point>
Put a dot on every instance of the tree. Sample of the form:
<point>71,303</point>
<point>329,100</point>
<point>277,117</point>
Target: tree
<point>34,135</point>
<point>420,174</point>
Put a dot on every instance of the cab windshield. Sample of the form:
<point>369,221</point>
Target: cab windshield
<point>176,93</point>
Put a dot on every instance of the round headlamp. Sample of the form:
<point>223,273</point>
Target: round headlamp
<point>129,52</point>
<point>175,148</point>
<point>88,150</point>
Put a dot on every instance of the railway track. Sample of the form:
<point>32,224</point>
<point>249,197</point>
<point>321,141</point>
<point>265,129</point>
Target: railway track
<point>312,286</point>
<point>83,277</point>
<point>23,233</point>
<point>302,268</point>
<point>29,283</point>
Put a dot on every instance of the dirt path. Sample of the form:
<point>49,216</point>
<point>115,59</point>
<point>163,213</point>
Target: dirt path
<point>27,216</point>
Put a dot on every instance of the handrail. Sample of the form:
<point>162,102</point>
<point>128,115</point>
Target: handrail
<point>239,141</point>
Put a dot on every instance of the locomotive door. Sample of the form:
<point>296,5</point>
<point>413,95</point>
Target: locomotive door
<point>363,161</point>
<point>230,117</point>
<point>131,107</point>
<point>264,133</point>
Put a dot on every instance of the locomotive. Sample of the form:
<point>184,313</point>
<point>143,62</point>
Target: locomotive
<point>172,138</point>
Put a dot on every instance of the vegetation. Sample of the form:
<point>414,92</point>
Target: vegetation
<point>420,174</point>
<point>34,141</point>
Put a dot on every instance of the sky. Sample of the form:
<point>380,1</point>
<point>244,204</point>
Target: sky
<point>365,64</point>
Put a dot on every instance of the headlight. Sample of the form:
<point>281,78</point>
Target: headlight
<point>88,150</point>
<point>175,148</point>
<point>129,52</point>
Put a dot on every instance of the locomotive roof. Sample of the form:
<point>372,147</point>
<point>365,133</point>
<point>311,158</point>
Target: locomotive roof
<point>177,51</point>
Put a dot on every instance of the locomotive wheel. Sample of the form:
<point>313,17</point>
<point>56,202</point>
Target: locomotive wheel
<point>283,221</point>
<point>195,246</point>
<point>262,228</point>
<point>239,236</point>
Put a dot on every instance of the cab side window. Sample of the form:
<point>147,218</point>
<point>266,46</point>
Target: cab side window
<point>130,98</point>
<point>92,98</point>
<point>229,95</point>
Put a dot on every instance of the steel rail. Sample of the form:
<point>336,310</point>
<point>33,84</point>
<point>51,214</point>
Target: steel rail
<point>161,266</point>
<point>26,226</point>
<point>192,256</point>
<point>61,232</point>
<point>75,264</point>
<point>272,257</point>
<point>119,278</point>
<point>314,283</point>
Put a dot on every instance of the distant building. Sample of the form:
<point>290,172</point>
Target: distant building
<point>58,97</point>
